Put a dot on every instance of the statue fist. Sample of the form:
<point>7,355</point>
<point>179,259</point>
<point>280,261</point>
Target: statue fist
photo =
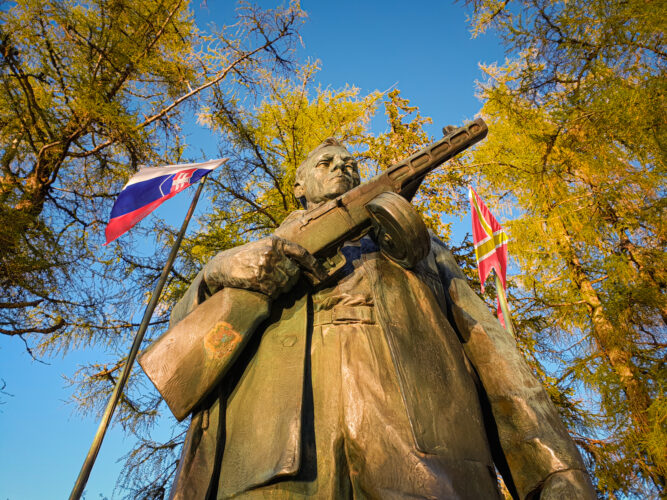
<point>568,485</point>
<point>271,266</point>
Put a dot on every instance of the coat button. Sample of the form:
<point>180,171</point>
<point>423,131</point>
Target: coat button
<point>289,340</point>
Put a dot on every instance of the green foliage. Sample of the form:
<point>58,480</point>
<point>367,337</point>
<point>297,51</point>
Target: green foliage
<point>90,90</point>
<point>575,154</point>
<point>577,149</point>
<point>69,131</point>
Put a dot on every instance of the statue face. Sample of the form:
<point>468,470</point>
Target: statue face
<point>327,175</point>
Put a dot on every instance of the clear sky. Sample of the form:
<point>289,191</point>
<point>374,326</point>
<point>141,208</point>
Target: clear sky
<point>422,47</point>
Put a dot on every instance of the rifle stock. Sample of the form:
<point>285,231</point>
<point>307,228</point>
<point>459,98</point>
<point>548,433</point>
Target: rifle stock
<point>193,356</point>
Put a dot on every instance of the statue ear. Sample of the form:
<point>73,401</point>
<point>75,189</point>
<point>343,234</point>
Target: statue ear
<point>299,191</point>
<point>300,194</point>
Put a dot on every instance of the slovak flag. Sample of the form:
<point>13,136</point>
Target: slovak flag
<point>490,243</point>
<point>148,188</point>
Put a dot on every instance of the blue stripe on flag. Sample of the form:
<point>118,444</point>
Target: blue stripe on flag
<point>142,193</point>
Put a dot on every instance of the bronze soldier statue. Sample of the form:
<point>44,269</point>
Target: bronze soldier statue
<point>378,382</point>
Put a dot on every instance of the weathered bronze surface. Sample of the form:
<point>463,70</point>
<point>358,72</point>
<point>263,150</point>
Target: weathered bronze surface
<point>185,367</point>
<point>340,209</point>
<point>399,229</point>
<point>381,375</point>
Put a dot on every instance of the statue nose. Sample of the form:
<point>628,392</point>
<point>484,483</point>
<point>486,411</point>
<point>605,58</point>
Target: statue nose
<point>337,163</point>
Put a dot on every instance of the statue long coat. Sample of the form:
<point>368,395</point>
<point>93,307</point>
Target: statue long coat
<point>468,392</point>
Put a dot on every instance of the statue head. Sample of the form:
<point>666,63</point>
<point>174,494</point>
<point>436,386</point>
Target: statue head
<point>328,171</point>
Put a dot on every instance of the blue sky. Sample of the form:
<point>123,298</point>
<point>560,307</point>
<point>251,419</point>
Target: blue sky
<point>424,48</point>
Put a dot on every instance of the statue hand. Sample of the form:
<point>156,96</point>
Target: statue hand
<point>271,265</point>
<point>567,485</point>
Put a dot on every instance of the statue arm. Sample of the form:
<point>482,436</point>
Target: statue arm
<point>540,455</point>
<point>271,266</point>
<point>213,321</point>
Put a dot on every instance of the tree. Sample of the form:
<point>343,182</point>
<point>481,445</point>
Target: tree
<point>577,150</point>
<point>265,144</point>
<point>91,90</point>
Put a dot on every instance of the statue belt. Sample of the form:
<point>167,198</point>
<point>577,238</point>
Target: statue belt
<point>344,314</point>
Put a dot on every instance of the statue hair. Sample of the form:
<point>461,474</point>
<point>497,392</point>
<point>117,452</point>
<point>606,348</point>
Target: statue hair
<point>329,141</point>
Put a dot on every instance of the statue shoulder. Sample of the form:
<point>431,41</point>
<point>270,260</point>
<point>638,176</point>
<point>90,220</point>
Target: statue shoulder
<point>448,268</point>
<point>295,214</point>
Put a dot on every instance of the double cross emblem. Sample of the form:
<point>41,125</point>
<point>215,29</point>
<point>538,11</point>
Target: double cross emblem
<point>179,181</point>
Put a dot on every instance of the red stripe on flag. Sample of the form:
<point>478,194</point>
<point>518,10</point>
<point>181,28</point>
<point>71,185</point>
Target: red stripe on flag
<point>118,225</point>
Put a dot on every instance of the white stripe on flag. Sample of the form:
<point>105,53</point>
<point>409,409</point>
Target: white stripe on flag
<point>148,173</point>
<point>491,252</point>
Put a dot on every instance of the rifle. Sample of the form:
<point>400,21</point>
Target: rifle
<point>193,356</point>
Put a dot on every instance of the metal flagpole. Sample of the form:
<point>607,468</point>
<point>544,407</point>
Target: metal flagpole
<point>120,384</point>
<point>503,304</point>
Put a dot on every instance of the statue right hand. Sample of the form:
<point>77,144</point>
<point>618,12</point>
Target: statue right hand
<point>271,266</point>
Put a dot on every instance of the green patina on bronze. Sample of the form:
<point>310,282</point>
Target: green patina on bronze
<point>222,341</point>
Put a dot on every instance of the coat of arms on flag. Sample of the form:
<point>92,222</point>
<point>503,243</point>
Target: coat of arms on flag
<point>490,242</point>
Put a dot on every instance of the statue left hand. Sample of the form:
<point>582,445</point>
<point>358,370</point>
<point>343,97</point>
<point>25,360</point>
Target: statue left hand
<point>568,485</point>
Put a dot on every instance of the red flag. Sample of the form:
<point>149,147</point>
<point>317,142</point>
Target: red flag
<point>490,243</point>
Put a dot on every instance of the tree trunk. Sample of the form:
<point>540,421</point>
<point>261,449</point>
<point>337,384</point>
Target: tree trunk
<point>612,342</point>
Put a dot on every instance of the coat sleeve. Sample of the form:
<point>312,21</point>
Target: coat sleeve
<point>199,291</point>
<point>196,293</point>
<point>534,441</point>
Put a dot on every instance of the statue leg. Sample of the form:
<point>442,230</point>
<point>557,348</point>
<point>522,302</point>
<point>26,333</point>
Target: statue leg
<point>382,457</point>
